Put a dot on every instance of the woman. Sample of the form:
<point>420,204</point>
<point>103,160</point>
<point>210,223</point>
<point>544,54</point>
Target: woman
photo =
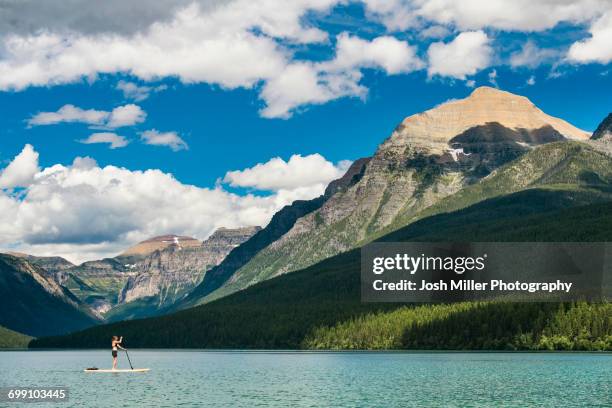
<point>116,344</point>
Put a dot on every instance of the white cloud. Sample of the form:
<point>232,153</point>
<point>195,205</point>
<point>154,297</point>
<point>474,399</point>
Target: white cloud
<point>21,170</point>
<point>69,114</point>
<point>278,174</point>
<point>515,15</point>
<point>435,31</point>
<point>465,55</point>
<point>84,211</point>
<point>170,139</point>
<point>217,46</point>
<point>235,44</point>
<point>597,48</point>
<point>396,15</point>
<point>137,92</point>
<point>303,83</point>
<point>126,115</point>
<point>111,138</point>
<point>532,56</point>
<point>388,53</point>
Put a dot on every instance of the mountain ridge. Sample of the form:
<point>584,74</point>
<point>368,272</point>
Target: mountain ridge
<point>415,167</point>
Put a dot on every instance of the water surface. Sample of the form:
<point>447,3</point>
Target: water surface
<point>311,379</point>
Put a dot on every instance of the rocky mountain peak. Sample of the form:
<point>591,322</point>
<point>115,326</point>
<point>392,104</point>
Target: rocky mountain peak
<point>433,128</point>
<point>151,245</point>
<point>230,236</point>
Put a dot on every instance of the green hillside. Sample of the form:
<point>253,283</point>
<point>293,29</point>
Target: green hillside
<point>12,339</point>
<point>308,308</point>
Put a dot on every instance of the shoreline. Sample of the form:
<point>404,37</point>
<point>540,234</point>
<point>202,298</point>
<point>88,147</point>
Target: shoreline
<point>298,351</point>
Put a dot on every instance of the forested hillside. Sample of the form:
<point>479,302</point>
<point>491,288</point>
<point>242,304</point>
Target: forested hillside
<point>311,308</point>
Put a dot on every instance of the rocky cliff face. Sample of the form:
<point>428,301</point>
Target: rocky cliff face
<point>54,266</point>
<point>98,283</point>
<point>168,273</point>
<point>429,156</point>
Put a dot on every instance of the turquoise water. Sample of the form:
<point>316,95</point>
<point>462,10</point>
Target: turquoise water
<point>310,379</point>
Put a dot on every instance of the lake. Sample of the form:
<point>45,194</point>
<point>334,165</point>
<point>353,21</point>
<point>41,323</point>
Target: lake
<point>194,378</point>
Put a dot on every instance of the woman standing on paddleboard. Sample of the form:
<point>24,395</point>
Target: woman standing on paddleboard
<point>116,344</point>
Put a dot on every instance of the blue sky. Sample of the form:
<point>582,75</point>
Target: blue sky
<point>225,86</point>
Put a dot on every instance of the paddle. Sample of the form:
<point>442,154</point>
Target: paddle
<point>128,356</point>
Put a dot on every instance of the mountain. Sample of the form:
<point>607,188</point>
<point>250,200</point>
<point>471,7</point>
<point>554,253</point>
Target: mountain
<point>144,248</point>
<point>34,304</point>
<point>168,273</point>
<point>54,266</point>
<point>429,156</point>
<point>320,307</point>
<point>98,283</point>
<point>150,275</point>
<point>558,192</point>
<point>280,223</point>
<point>604,130</point>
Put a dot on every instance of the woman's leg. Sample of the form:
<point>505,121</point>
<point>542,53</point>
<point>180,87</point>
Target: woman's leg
<point>114,363</point>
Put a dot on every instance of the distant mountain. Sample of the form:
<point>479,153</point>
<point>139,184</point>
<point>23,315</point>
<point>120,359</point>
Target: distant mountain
<point>281,222</point>
<point>34,304</point>
<point>55,266</point>
<point>168,273</point>
<point>604,130</point>
<point>429,156</point>
<point>151,245</point>
<point>320,306</point>
<point>98,283</point>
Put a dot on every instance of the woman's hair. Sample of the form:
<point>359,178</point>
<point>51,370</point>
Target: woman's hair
<point>115,337</point>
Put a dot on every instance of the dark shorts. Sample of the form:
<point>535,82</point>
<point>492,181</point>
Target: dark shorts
<point>114,353</point>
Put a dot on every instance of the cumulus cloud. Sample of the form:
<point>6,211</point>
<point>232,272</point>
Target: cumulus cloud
<point>516,15</point>
<point>137,92</point>
<point>597,48</point>
<point>218,46</point>
<point>385,52</point>
<point>85,211</point>
<point>69,114</point>
<point>306,82</point>
<point>465,55</point>
<point>170,139</point>
<point>531,56</point>
<point>277,174</point>
<point>21,170</point>
<point>126,115</point>
<point>234,44</point>
<point>114,140</point>
<point>85,16</point>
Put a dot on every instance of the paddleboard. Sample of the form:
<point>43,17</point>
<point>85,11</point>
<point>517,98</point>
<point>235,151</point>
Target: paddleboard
<point>109,370</point>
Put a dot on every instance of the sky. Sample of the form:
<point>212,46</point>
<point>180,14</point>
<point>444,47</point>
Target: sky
<point>122,120</point>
